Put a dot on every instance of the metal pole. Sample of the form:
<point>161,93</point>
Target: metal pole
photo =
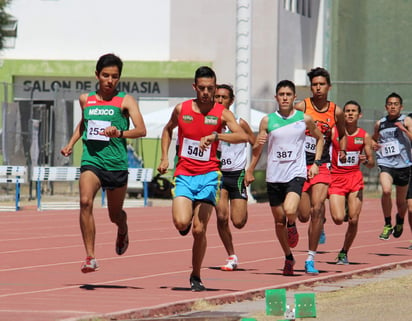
<point>243,58</point>
<point>243,65</point>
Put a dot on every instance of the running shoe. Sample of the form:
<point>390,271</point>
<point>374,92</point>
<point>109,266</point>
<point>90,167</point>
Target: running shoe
<point>322,238</point>
<point>288,268</point>
<point>387,231</point>
<point>196,284</point>
<point>184,232</point>
<point>397,230</point>
<point>342,259</point>
<point>310,267</point>
<point>293,236</point>
<point>90,265</point>
<point>231,264</point>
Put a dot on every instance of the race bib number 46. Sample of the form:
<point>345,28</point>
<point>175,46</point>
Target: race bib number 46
<point>352,159</point>
<point>191,149</point>
<point>95,127</point>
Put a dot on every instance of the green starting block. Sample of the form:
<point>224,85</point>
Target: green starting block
<point>305,305</point>
<point>275,301</point>
<point>248,319</point>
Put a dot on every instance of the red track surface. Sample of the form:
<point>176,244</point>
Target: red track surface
<point>41,253</point>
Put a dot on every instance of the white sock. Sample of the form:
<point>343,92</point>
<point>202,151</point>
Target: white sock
<point>311,255</point>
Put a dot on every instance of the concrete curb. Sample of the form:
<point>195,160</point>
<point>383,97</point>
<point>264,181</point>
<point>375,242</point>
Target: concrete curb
<point>253,294</point>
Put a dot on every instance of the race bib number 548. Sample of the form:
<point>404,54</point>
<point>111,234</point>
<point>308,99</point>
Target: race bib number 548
<point>191,149</point>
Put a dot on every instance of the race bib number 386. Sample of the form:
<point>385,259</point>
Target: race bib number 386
<point>191,149</point>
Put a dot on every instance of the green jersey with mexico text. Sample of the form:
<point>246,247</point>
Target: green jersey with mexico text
<point>98,150</point>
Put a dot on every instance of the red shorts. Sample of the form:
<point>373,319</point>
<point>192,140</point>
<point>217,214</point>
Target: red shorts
<point>343,184</point>
<point>323,177</point>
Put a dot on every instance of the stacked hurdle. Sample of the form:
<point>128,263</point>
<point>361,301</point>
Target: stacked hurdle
<point>305,304</point>
<point>15,175</point>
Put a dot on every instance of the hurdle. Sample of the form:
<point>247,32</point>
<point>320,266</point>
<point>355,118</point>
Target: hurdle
<point>15,175</point>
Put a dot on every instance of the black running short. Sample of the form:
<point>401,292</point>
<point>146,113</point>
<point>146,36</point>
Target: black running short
<point>400,176</point>
<point>234,183</point>
<point>277,191</point>
<point>108,179</point>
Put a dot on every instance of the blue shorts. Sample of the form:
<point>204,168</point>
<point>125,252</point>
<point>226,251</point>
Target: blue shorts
<point>204,188</point>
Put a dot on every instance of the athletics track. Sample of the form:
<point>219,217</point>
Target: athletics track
<point>41,253</point>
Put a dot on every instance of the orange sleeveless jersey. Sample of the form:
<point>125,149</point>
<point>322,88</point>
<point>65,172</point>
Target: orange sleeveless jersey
<point>325,121</point>
<point>194,126</point>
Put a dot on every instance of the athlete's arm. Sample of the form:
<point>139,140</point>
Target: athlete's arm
<point>167,138</point>
<point>406,127</point>
<point>236,135</point>
<point>300,106</point>
<point>257,150</point>
<point>78,131</point>
<point>317,134</point>
<point>340,126</point>
<point>130,104</point>
<point>375,137</point>
<point>367,159</point>
<point>245,126</point>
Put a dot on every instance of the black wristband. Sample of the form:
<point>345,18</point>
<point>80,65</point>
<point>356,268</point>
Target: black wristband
<point>216,135</point>
<point>121,134</point>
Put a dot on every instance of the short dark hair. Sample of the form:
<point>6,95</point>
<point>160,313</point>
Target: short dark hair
<point>394,95</point>
<point>229,88</point>
<point>319,71</point>
<point>286,83</point>
<point>204,72</point>
<point>109,60</point>
<point>353,102</point>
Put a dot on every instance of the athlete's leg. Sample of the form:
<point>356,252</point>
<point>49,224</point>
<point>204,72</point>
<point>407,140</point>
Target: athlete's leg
<point>115,199</point>
<point>337,208</point>
<point>89,184</point>
<point>354,206</point>
<point>386,182</point>
<point>182,212</point>
<point>202,213</point>
<point>305,207</point>
<point>318,194</point>
<point>401,202</point>
<point>222,213</point>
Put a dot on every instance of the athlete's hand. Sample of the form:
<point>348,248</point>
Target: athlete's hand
<point>249,178</point>
<point>206,141</point>
<point>362,158</point>
<point>110,131</point>
<point>262,138</point>
<point>313,171</point>
<point>401,126</point>
<point>66,151</point>
<point>342,156</point>
<point>375,146</point>
<point>163,166</point>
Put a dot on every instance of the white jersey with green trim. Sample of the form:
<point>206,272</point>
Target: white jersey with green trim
<point>233,156</point>
<point>286,147</point>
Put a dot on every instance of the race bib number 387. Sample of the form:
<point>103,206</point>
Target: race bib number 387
<point>191,149</point>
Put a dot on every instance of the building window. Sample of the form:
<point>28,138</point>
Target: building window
<point>302,7</point>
